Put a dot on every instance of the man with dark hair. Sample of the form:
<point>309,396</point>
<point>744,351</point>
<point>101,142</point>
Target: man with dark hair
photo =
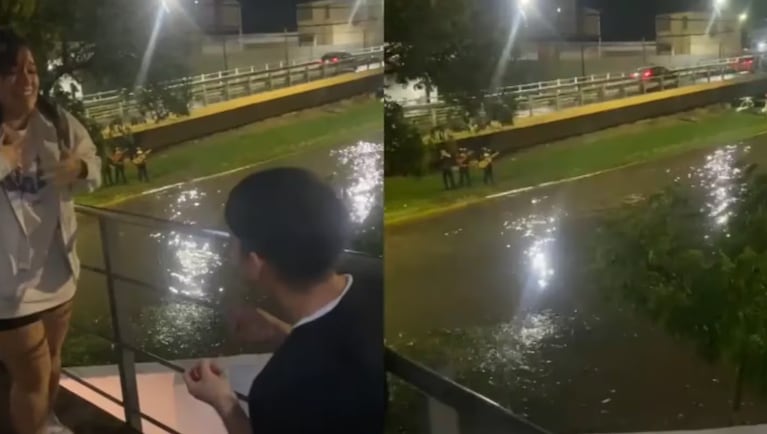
<point>327,374</point>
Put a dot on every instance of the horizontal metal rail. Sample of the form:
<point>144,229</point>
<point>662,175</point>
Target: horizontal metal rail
<point>120,106</point>
<point>553,97</point>
<point>569,82</point>
<point>88,98</point>
<point>468,404</point>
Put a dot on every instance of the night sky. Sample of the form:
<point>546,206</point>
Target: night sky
<point>621,19</point>
<point>269,16</point>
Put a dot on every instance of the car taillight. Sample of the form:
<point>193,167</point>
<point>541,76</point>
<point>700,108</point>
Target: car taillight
<point>647,74</point>
<point>334,60</point>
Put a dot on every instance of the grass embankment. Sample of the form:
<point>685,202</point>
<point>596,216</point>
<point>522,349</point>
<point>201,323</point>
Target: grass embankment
<point>259,142</point>
<point>409,199</point>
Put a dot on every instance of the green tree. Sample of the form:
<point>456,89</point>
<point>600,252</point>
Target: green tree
<point>403,146</point>
<point>460,47</point>
<point>703,280</point>
<point>102,44</point>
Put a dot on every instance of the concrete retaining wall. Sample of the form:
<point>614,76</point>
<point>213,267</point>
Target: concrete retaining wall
<point>167,135</point>
<point>588,119</point>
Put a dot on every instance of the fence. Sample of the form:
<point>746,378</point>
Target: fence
<point>122,106</point>
<point>468,407</point>
<point>533,99</point>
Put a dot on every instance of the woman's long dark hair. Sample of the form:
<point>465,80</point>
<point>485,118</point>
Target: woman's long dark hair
<point>10,45</point>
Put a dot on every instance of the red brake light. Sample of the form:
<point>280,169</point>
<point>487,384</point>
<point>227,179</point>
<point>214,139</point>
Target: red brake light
<point>647,74</point>
<point>334,60</point>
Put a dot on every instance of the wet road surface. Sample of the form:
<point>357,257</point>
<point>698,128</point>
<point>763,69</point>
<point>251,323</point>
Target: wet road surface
<point>200,267</point>
<point>498,296</point>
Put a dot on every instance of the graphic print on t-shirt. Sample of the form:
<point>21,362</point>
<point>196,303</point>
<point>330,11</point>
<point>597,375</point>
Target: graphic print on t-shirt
<point>26,182</point>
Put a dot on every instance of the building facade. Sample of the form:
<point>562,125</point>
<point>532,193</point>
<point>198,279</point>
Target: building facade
<point>699,34</point>
<point>341,22</point>
<point>215,17</point>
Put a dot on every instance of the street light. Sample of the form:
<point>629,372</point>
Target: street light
<point>524,4</point>
<point>743,17</point>
<point>720,4</point>
<point>559,10</point>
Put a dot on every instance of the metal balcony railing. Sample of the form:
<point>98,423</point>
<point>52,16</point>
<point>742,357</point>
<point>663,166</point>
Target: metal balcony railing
<point>467,407</point>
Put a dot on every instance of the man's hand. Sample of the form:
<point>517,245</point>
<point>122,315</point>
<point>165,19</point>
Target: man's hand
<point>66,171</point>
<point>253,326</point>
<point>207,382</point>
<point>11,147</point>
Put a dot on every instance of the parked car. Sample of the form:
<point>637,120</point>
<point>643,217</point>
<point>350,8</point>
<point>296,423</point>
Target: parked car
<point>344,61</point>
<point>745,64</point>
<point>656,77</point>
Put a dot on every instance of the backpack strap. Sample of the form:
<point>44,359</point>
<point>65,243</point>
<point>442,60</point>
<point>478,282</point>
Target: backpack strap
<point>54,113</point>
<point>61,123</point>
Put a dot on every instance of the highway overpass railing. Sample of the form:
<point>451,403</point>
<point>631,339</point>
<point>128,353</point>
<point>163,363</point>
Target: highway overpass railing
<point>461,411</point>
<point>533,99</point>
<point>122,106</point>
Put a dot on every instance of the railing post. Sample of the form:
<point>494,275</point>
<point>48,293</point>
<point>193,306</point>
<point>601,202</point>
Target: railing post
<point>288,77</point>
<point>126,361</point>
<point>204,95</point>
<point>530,104</point>
<point>249,84</point>
<point>306,73</point>
<point>443,419</point>
<point>269,84</point>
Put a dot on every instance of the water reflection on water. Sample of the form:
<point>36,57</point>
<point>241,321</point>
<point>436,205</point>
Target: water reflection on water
<point>362,165</point>
<point>716,177</point>
<point>562,354</point>
<point>192,265</point>
<point>193,259</point>
<point>538,232</point>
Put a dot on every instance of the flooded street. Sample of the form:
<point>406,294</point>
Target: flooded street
<point>200,267</point>
<point>499,297</point>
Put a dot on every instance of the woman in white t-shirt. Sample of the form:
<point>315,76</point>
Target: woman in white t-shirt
<point>46,156</point>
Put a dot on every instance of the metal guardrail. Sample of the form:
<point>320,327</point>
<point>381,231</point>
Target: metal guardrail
<point>545,97</point>
<point>205,89</point>
<point>468,405</point>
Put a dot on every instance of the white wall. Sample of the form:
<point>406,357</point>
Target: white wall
<point>163,395</point>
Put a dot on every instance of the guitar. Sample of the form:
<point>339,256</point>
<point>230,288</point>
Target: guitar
<point>487,160</point>
<point>463,158</point>
<point>139,160</point>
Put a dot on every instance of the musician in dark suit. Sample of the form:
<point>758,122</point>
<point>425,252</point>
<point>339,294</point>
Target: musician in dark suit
<point>486,164</point>
<point>446,162</point>
<point>464,177</point>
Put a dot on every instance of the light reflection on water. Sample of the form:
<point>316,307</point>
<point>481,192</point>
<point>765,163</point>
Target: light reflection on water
<point>538,233</point>
<point>577,333</point>
<point>362,165</point>
<point>189,263</point>
<point>717,178</point>
<point>194,258</point>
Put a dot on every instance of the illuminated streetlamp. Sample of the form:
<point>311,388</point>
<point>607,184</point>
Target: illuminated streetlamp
<point>524,4</point>
<point>743,17</point>
<point>559,10</point>
<point>720,4</point>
